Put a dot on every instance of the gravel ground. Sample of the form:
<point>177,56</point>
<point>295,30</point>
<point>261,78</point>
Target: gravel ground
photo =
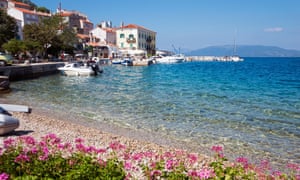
<point>38,125</point>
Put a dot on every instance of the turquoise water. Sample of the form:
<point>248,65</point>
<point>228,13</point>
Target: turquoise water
<point>252,108</point>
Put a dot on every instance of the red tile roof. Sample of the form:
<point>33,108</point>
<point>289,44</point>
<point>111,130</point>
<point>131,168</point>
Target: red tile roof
<point>33,12</point>
<point>134,26</point>
<point>112,30</point>
<point>20,3</point>
<point>83,36</point>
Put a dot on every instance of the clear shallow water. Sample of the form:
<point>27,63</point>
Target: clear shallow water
<point>250,107</point>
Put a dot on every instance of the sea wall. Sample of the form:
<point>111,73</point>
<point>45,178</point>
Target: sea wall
<point>28,71</point>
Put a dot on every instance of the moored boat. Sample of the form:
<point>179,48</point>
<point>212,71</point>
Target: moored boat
<point>78,69</point>
<point>127,62</point>
<point>178,58</point>
<point>7,122</point>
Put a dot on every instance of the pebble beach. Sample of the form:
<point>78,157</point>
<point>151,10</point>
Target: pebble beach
<point>38,125</point>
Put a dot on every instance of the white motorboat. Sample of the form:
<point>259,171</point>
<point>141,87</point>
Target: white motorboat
<point>8,123</point>
<point>78,69</point>
<point>127,62</point>
<point>178,58</point>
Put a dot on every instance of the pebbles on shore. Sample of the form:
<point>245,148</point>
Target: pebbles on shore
<point>37,126</point>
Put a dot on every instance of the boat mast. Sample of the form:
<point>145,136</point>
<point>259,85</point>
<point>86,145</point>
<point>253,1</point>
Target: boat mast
<point>234,44</point>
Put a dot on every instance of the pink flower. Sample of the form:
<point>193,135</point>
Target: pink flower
<point>101,150</point>
<point>79,140</point>
<point>4,176</point>
<point>22,158</point>
<point>276,173</point>
<point>34,150</point>
<point>265,165</point>
<point>155,173</point>
<point>28,140</point>
<point>8,142</point>
<point>192,173</point>
<point>205,173</point>
<point>116,146</point>
<point>192,158</point>
<point>127,165</point>
<point>80,147</point>
<point>217,149</point>
<point>44,157</point>
<point>137,156</point>
<point>170,164</point>
<point>293,166</point>
<point>243,161</point>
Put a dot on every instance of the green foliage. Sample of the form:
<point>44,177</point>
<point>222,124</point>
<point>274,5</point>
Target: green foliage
<point>8,27</point>
<point>14,46</point>
<point>50,33</point>
<point>50,159</point>
<point>43,9</point>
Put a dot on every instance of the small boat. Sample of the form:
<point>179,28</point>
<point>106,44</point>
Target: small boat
<point>116,61</point>
<point>178,58</point>
<point>127,62</point>
<point>80,69</point>
<point>7,122</point>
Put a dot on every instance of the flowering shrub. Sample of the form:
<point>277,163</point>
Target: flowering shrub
<point>49,158</point>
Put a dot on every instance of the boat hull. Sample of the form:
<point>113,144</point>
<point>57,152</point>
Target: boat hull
<point>8,124</point>
<point>170,59</point>
<point>75,69</point>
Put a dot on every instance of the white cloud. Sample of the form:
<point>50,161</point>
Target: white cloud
<point>275,29</point>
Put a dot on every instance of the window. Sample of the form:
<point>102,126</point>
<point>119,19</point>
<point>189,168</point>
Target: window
<point>122,35</point>
<point>131,36</point>
<point>122,45</point>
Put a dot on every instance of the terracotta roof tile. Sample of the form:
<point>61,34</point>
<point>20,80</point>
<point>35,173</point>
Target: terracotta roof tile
<point>134,26</point>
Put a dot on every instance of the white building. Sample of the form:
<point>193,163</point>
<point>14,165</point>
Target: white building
<point>24,15</point>
<point>105,35</point>
<point>136,38</point>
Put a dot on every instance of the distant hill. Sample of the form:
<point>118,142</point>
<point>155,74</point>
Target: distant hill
<point>245,51</point>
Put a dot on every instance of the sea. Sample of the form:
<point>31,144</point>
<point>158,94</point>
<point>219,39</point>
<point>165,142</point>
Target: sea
<point>251,108</point>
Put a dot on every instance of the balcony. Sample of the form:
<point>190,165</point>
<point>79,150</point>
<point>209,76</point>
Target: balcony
<point>131,40</point>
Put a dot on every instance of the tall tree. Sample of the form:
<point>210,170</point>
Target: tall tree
<point>8,28</point>
<point>14,46</point>
<point>44,32</point>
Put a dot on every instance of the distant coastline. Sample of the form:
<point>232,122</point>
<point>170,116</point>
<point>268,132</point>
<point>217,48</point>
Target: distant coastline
<point>245,51</point>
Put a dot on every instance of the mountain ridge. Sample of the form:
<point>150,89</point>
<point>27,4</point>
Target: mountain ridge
<point>245,51</point>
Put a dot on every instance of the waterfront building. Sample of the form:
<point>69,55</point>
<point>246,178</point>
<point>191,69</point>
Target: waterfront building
<point>103,40</point>
<point>24,14</point>
<point>131,38</point>
<point>76,20</point>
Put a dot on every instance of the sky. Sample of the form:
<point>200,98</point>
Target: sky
<point>195,24</point>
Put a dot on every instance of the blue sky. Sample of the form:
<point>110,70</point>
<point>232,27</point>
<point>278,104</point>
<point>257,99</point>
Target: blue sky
<point>194,24</point>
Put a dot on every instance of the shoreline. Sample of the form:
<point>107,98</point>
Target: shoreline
<point>37,125</point>
<point>42,121</point>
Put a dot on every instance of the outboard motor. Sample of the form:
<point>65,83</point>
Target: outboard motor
<point>95,68</point>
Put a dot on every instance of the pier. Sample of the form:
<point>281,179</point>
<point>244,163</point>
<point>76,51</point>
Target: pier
<point>28,71</point>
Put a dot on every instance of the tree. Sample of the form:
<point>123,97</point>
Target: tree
<point>14,46</point>
<point>52,35</point>
<point>44,32</point>
<point>43,9</point>
<point>8,28</point>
